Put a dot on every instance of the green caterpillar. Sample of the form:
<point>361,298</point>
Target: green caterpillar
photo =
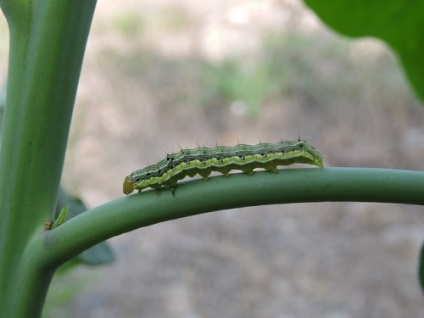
<point>223,159</point>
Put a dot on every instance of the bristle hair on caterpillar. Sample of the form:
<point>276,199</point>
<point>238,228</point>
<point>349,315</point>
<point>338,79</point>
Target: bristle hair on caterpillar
<point>223,159</point>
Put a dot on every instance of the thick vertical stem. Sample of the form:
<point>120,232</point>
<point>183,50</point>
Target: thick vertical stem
<point>47,44</point>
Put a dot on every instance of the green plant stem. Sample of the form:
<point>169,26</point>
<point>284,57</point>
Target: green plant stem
<point>49,249</point>
<point>47,44</point>
<point>289,186</point>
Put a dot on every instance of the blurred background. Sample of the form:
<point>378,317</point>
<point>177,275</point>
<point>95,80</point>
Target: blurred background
<point>160,75</point>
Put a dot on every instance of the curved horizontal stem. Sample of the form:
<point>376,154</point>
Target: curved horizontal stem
<point>218,193</point>
<point>51,248</point>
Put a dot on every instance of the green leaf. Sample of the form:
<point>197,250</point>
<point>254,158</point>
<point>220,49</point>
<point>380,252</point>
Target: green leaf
<point>421,267</point>
<point>62,217</point>
<point>399,23</point>
<point>98,254</point>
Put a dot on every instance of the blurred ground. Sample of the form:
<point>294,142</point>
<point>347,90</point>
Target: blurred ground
<point>159,75</point>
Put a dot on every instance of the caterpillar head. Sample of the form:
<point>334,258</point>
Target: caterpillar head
<point>128,185</point>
